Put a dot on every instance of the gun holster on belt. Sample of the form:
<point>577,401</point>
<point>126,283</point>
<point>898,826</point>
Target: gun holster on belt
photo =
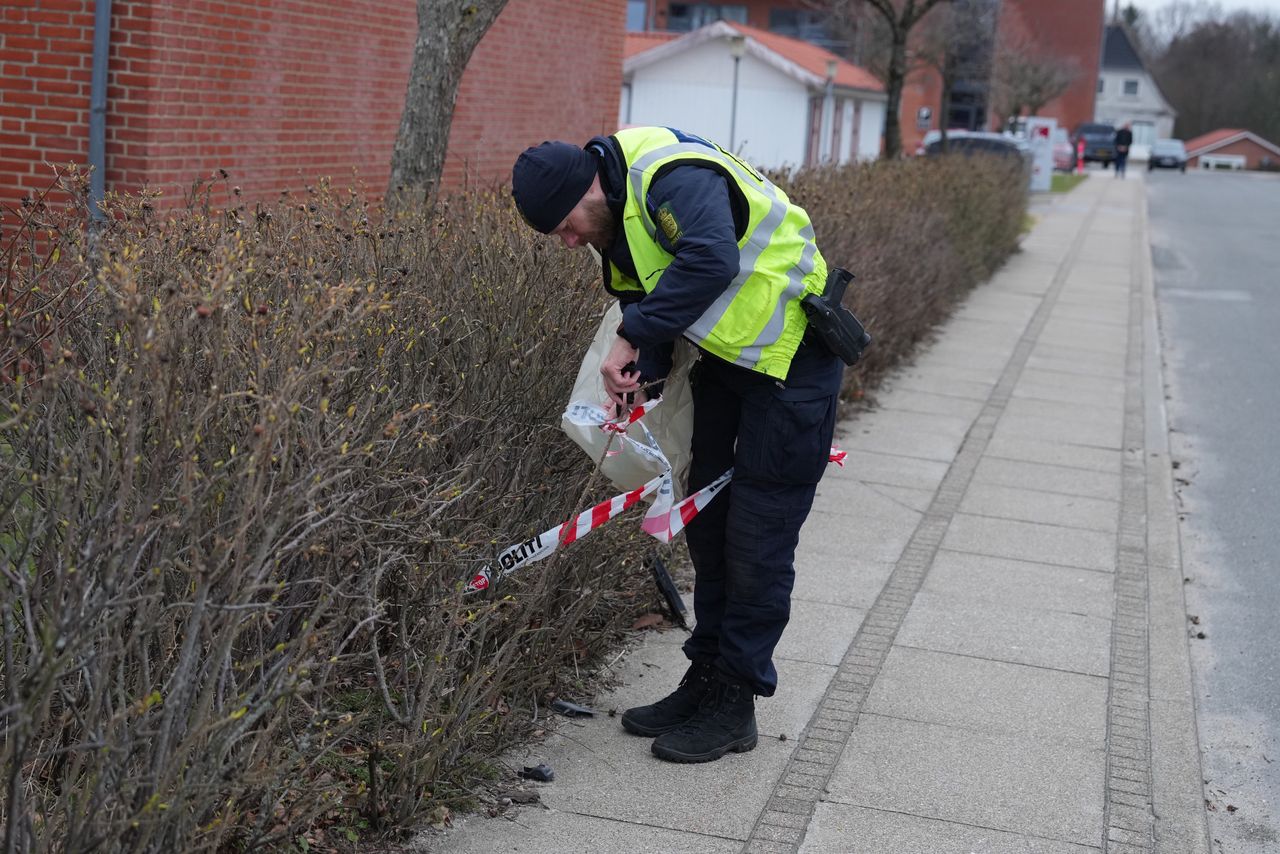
<point>833,324</point>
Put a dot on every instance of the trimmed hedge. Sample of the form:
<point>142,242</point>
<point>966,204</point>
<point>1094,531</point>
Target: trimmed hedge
<point>251,455</point>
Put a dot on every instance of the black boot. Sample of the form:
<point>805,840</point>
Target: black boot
<point>675,708</point>
<point>725,721</point>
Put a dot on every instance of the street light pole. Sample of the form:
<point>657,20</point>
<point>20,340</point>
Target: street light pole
<point>737,45</point>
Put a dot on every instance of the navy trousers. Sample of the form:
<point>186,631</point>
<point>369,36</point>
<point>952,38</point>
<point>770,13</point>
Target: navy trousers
<point>777,437</point>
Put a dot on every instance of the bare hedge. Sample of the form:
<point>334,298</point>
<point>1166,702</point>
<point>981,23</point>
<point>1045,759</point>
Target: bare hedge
<point>250,455</point>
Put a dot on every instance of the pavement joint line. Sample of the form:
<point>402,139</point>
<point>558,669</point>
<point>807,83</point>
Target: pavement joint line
<point>1027,560</point>
<point>1072,567</point>
<point>930,530</point>
<point>1002,733</point>
<point>1022,833</point>
<point>1044,667</point>
<point>1128,730</point>
<point>1060,525</point>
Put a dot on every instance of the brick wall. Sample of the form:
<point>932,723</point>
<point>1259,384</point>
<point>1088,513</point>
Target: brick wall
<point>1069,28</point>
<point>44,90</point>
<point>547,69</point>
<point>279,92</point>
<point>1256,156</point>
<point>1065,28</point>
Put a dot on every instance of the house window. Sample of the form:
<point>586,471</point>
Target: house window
<point>637,12</point>
<point>1100,85</point>
<point>683,17</point>
<point>1131,87</point>
<point>803,24</point>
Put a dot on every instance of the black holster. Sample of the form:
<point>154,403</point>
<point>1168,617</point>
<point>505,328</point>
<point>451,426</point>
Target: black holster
<point>833,324</point>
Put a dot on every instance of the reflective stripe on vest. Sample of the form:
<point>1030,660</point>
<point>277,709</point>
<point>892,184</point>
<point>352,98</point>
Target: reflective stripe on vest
<point>762,255</point>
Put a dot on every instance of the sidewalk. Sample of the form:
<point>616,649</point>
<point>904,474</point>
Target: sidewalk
<point>988,648</point>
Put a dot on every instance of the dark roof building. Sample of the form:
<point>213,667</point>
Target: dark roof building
<point>1128,94</point>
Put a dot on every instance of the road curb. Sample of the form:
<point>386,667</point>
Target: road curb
<point>1181,823</point>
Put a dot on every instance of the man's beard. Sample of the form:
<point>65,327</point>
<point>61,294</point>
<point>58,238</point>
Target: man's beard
<point>603,227</point>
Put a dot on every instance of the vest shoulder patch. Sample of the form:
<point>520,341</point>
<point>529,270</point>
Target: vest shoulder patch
<point>667,222</point>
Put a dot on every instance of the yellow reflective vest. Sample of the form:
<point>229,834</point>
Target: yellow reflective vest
<point>757,322</point>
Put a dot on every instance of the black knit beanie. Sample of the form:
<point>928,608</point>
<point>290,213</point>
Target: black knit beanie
<point>549,180</point>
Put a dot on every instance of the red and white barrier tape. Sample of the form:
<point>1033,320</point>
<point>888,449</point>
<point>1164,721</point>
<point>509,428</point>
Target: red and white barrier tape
<point>665,519</point>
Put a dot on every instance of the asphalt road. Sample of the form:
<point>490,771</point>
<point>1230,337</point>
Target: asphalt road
<point>1215,242</point>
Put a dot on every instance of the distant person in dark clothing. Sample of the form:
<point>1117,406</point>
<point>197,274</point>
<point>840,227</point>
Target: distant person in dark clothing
<point>1124,139</point>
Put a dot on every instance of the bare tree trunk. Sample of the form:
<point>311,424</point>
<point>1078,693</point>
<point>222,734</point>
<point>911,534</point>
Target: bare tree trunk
<point>448,32</point>
<point>894,81</point>
<point>944,110</point>
<point>899,25</point>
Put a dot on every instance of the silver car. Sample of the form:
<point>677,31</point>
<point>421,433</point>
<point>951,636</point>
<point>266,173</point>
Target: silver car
<point>1168,154</point>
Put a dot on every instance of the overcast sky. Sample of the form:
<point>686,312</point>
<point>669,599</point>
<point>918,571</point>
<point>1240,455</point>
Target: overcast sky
<point>1271,6</point>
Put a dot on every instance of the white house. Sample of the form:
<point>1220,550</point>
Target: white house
<point>1128,93</point>
<point>775,101</point>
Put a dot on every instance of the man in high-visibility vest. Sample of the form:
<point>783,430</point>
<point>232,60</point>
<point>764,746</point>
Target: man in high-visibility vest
<point>696,243</point>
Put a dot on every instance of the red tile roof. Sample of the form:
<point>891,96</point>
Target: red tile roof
<point>1212,138</point>
<point>640,42</point>
<point>805,55</point>
<point>812,58</point>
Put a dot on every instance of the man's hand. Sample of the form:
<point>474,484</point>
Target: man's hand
<point>619,372</point>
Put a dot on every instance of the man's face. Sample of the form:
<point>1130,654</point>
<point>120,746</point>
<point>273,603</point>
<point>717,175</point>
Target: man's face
<point>590,221</point>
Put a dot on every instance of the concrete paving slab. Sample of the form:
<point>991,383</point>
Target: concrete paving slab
<point>1011,783</point>
<point>1031,541</point>
<point>928,403</point>
<point>890,469</point>
<point>1022,584</point>
<point>852,500</point>
<point>1096,412</point>
<point>925,444</point>
<point>912,499</point>
<point>825,537</point>
<point>1048,478</point>
<point>605,772</point>
<point>535,830</point>
<point>1010,313</point>
<point>1103,432</point>
<point>850,582</point>
<point>1076,343</point>
<point>1111,317</point>
<point>920,381</point>
<point>1041,377</point>
<point>819,632</point>
<point>1041,638</point>
<point>1069,511</point>
<point>801,685</point>
<point>1076,365</point>
<point>1091,392</point>
<point>999,334</point>
<point>988,358</point>
<point>1056,454</point>
<point>1105,351</point>
<point>844,829</point>
<point>991,696</point>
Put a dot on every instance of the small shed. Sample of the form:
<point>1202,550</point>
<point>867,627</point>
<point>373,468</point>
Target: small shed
<point>774,100</point>
<point>1232,148</point>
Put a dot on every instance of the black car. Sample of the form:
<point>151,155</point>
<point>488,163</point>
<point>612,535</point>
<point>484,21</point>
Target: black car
<point>1168,154</point>
<point>977,142</point>
<point>1099,142</point>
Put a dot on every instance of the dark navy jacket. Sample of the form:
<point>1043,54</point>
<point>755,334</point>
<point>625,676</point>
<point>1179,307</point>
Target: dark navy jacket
<point>705,255</point>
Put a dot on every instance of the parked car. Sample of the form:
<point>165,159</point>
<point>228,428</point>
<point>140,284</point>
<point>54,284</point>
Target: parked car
<point>978,142</point>
<point>1168,154</point>
<point>1099,142</point>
